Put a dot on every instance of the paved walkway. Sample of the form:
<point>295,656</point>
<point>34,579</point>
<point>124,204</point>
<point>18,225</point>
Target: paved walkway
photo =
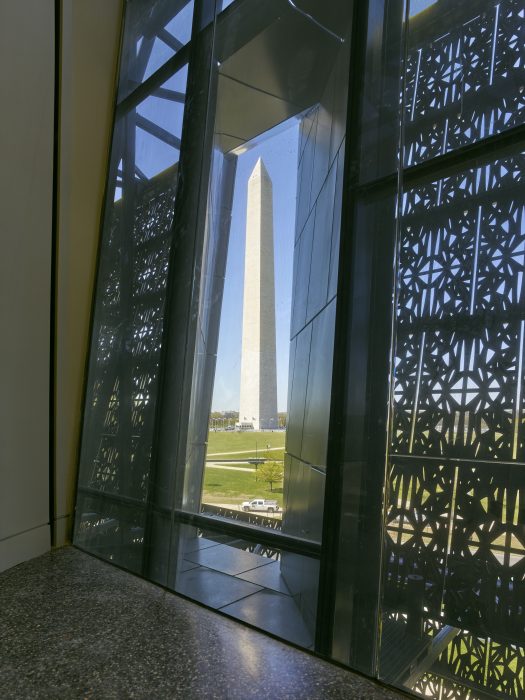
<point>236,506</point>
<point>212,465</point>
<point>244,452</point>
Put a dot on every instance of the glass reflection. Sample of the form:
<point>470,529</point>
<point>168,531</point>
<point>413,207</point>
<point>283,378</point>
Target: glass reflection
<point>248,581</point>
<point>170,39</point>
<point>452,599</point>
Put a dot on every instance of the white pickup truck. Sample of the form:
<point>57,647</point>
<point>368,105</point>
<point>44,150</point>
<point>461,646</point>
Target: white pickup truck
<point>260,504</point>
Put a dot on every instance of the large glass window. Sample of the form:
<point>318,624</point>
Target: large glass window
<point>445,590</point>
<point>294,309</point>
<point>247,428</point>
<point>260,391</point>
<point>210,378</point>
<point>122,382</point>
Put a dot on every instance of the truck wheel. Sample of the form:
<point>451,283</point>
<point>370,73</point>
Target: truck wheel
<point>270,510</point>
<point>245,509</point>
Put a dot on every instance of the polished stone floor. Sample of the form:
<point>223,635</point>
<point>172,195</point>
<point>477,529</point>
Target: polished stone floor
<point>72,626</point>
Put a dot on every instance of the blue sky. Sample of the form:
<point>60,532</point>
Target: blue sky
<point>279,153</point>
<point>417,6</point>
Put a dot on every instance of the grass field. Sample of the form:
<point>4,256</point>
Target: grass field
<point>232,486</point>
<point>237,445</point>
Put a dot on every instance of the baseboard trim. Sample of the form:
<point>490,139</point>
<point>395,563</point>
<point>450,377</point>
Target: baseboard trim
<point>24,546</point>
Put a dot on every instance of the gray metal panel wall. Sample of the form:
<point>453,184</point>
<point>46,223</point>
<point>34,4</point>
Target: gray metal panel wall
<point>320,173</point>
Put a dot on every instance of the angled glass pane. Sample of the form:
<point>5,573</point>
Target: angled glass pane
<point>159,126</point>
<point>249,581</point>
<point>225,4</point>
<point>154,32</point>
<point>122,379</point>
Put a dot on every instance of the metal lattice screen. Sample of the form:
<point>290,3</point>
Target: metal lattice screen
<point>123,376</point>
<point>456,477</point>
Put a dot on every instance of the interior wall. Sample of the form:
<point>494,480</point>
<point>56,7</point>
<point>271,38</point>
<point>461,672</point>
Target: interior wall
<point>90,42</point>
<point>90,45</point>
<point>26,189</point>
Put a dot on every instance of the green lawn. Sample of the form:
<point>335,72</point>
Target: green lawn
<point>245,444</point>
<point>231,486</point>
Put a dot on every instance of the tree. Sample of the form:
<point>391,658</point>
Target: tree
<point>271,472</point>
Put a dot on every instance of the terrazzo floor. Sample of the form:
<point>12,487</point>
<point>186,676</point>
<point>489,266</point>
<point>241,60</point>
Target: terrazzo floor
<point>72,626</point>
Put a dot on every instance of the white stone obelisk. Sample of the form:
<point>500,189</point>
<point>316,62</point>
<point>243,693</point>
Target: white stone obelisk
<point>258,399</point>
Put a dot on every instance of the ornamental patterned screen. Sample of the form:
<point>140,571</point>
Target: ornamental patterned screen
<point>122,387</point>
<point>123,379</point>
<point>467,82</point>
<point>127,338</point>
<point>455,521</point>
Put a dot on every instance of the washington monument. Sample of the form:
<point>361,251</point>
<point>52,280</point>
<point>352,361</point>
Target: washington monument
<point>258,399</point>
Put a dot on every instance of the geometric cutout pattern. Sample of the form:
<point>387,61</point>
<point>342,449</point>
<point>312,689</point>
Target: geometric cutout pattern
<point>506,669</point>
<point>468,83</point>
<point>419,503</point>
<point>498,669</point>
<point>484,663</point>
<point>462,528</point>
<point>431,685</point>
<point>459,379</point>
<point>466,658</point>
<point>455,497</point>
<point>459,393</point>
<point>127,334</point>
<point>251,518</point>
<point>486,589</point>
